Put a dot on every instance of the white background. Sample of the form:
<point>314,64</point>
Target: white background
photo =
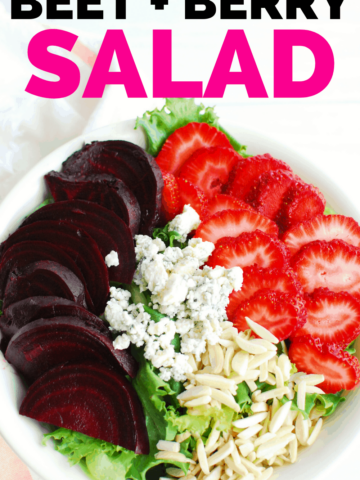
<point>325,128</point>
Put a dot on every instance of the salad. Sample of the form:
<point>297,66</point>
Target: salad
<point>188,311</point>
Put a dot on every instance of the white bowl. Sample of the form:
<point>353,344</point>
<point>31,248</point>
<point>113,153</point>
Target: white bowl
<point>25,435</point>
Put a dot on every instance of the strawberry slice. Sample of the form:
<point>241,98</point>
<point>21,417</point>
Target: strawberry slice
<point>323,227</point>
<point>256,278</point>
<point>185,141</point>
<point>340,369</point>
<point>192,195</point>
<point>250,248</point>
<point>226,202</point>
<point>301,203</point>
<point>267,194</point>
<point>209,168</point>
<point>334,265</point>
<point>332,317</point>
<point>281,313</point>
<point>231,223</point>
<point>247,171</point>
<point>171,205</point>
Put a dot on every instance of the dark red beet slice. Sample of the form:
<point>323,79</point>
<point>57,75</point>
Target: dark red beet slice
<point>44,278</point>
<point>130,163</point>
<point>22,254</point>
<point>42,345</point>
<point>30,309</point>
<point>104,190</point>
<point>108,231</point>
<point>92,399</point>
<point>78,245</point>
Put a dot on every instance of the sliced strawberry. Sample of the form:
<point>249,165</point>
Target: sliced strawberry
<point>267,194</point>
<point>255,279</point>
<point>209,168</point>
<point>340,369</point>
<point>226,202</point>
<point>302,202</point>
<point>192,195</point>
<point>247,172</point>
<point>250,248</point>
<point>334,265</point>
<point>323,227</point>
<point>280,313</point>
<point>185,141</point>
<point>231,223</point>
<point>171,205</point>
<point>332,317</point>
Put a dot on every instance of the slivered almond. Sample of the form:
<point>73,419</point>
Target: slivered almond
<point>229,355</point>
<point>285,430</point>
<point>264,438</point>
<point>230,333</point>
<point>301,395</point>
<point>168,446</point>
<point>248,346</point>
<point>261,358</point>
<point>310,379</point>
<point>268,449</point>
<point>225,399</point>
<point>182,437</point>
<point>315,433</point>
<point>251,420</point>
<point>259,407</point>
<point>279,418</point>
<point>313,389</point>
<point>246,449</point>
<point>261,331</point>
<point>301,429</point>
<point>293,449</point>
<point>250,466</point>
<point>264,343</point>
<point>266,474</point>
<point>227,343</point>
<point>276,392</point>
<point>249,476</point>
<point>216,357</point>
<point>285,366</point>
<point>222,453</point>
<point>240,469</point>
<point>196,402</point>
<point>177,457</point>
<point>250,432</point>
<point>215,474</point>
<point>195,392</point>
<point>264,372</point>
<point>175,472</point>
<point>279,377</point>
<point>200,449</point>
<point>251,384</point>
<point>240,363</point>
<point>216,381</point>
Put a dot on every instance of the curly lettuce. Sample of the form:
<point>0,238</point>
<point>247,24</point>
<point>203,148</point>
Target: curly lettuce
<point>176,113</point>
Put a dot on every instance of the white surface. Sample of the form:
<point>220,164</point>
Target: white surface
<point>24,435</point>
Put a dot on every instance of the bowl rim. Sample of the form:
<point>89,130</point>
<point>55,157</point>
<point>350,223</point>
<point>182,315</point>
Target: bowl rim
<point>335,194</point>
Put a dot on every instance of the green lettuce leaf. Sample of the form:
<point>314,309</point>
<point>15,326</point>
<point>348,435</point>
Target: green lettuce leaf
<point>351,348</point>
<point>47,201</point>
<point>171,239</point>
<point>329,211</point>
<point>177,113</point>
<point>243,398</point>
<point>326,404</point>
<point>1,304</point>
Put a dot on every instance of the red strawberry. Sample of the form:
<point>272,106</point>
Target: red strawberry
<point>231,223</point>
<point>255,279</point>
<point>301,202</point>
<point>341,370</point>
<point>226,202</point>
<point>192,195</point>
<point>250,248</point>
<point>247,172</point>
<point>171,197</point>
<point>332,317</point>
<point>268,192</point>
<point>334,265</point>
<point>185,141</point>
<point>209,168</point>
<point>280,313</point>
<point>323,227</point>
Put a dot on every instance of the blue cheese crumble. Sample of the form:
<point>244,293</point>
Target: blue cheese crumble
<point>193,300</point>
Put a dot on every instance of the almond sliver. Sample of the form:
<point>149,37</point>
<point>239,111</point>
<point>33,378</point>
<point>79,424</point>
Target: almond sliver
<point>261,331</point>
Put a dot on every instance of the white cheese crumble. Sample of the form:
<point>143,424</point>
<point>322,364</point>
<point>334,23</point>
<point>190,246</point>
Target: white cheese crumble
<point>193,300</point>
<point>112,260</point>
<point>184,223</point>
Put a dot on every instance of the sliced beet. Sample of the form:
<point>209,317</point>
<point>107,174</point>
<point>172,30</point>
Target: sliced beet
<point>130,163</point>
<point>30,309</point>
<point>44,278</point>
<point>78,245</point>
<point>22,254</point>
<point>105,190</point>
<point>42,345</point>
<point>92,399</point>
<point>108,231</point>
